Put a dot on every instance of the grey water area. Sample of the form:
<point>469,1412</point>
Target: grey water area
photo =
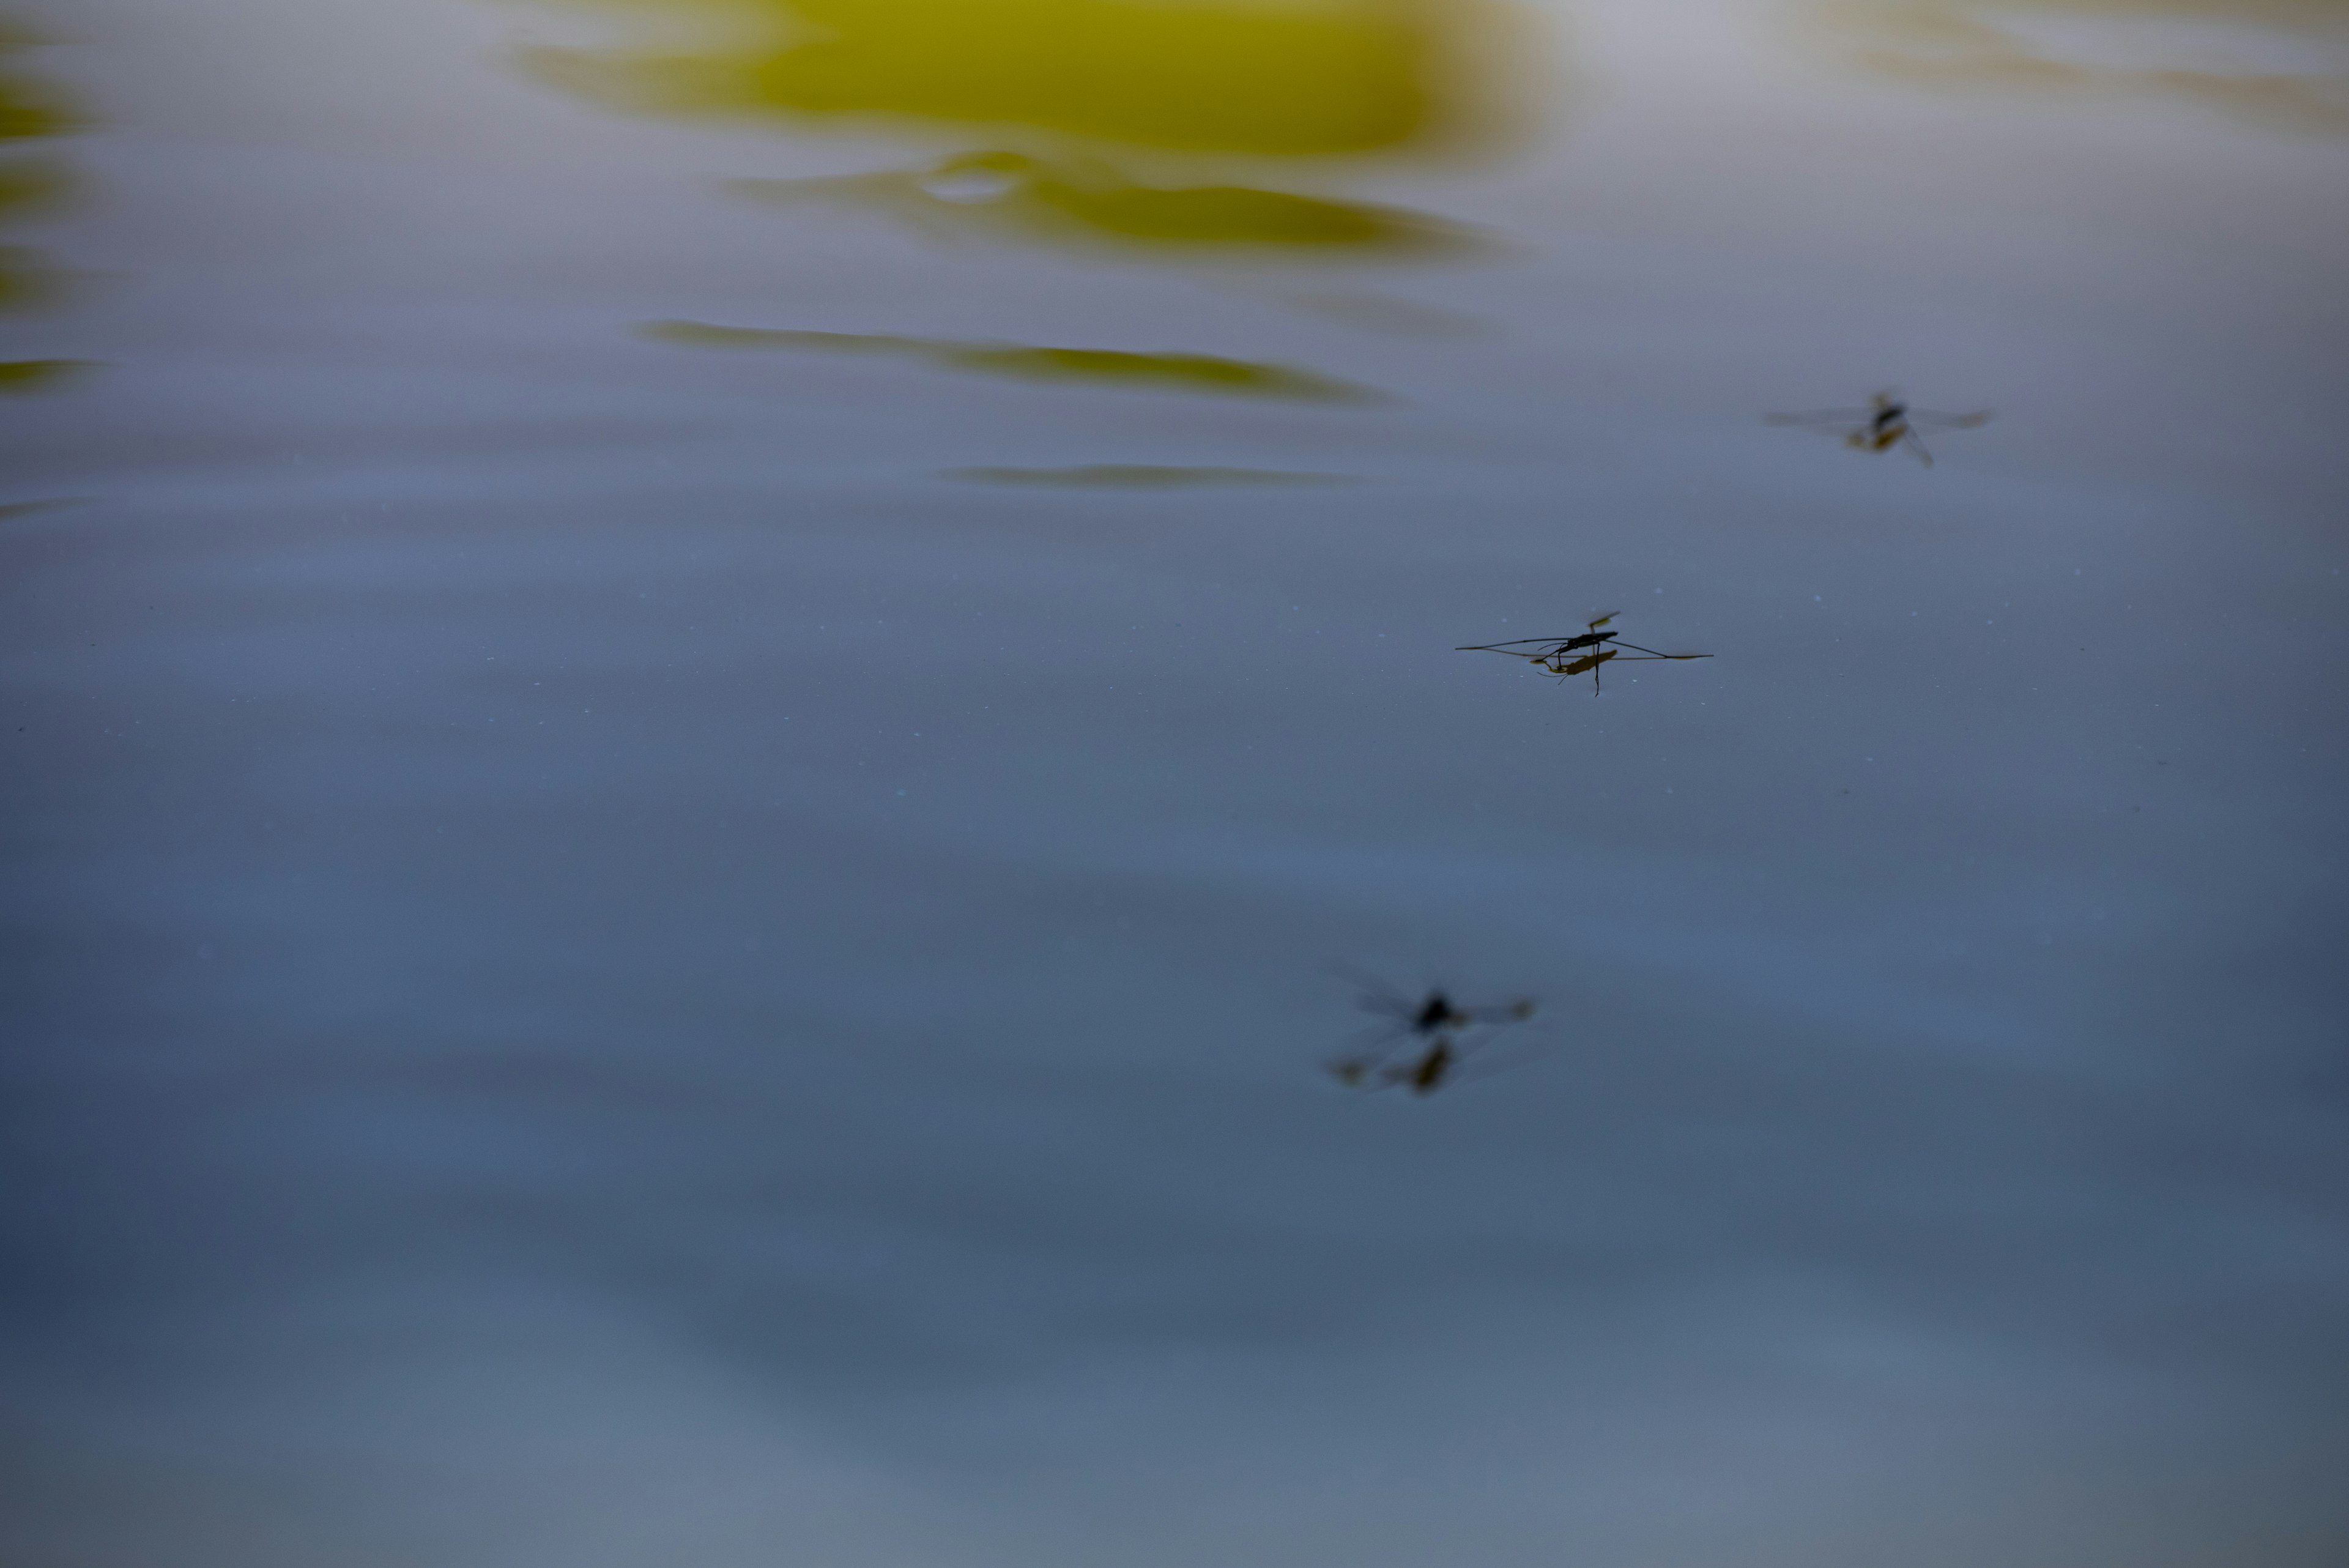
<point>619,952</point>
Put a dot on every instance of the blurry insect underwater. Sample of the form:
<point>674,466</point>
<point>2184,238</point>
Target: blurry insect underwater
<point>1565,656</point>
<point>1422,1043</point>
<point>1887,422</point>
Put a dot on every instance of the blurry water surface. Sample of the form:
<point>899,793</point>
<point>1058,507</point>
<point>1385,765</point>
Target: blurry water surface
<point>694,694</point>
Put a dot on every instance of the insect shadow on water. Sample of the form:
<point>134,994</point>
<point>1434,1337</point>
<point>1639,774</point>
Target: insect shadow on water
<point>1887,422</point>
<point>1579,655</point>
<point>1420,1045</point>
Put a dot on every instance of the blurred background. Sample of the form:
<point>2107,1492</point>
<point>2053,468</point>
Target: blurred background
<point>695,694</point>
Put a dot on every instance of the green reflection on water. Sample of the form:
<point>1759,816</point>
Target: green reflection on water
<point>1139,476</point>
<point>28,106</point>
<point>18,376</point>
<point>30,109</point>
<point>1078,83</point>
<point>1202,373</point>
<point>1071,92</point>
<point>2224,53</point>
<point>12,510</point>
<point>1340,75</point>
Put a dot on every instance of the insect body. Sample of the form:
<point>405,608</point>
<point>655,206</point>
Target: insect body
<point>1422,1043</point>
<point>1564,656</point>
<point>1887,422</point>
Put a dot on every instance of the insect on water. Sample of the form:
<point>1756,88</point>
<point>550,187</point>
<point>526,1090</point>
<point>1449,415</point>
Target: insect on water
<point>1421,1044</point>
<point>1579,655</point>
<point>1887,422</point>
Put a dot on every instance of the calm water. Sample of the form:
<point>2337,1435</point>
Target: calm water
<point>712,685</point>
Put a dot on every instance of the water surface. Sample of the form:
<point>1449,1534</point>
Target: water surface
<point>709,943</point>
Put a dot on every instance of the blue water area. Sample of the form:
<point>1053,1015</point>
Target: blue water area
<point>713,719</point>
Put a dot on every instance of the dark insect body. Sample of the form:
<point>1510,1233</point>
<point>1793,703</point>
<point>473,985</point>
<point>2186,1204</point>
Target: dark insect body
<point>1551,653</point>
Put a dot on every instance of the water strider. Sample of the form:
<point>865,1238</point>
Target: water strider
<point>1422,1043</point>
<point>1552,653</point>
<point>1887,422</point>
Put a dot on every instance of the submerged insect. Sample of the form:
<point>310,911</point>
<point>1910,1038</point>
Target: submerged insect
<point>1422,1043</point>
<point>1888,421</point>
<point>1565,656</point>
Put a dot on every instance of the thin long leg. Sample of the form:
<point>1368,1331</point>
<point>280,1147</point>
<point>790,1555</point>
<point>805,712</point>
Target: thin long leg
<point>1376,1039</point>
<point>1367,982</point>
<point>1364,1058</point>
<point>1653,654</point>
<point>1472,1069</point>
<point>1476,1051</point>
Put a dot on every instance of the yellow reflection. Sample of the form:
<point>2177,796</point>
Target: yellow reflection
<point>28,106</point>
<point>1203,373</point>
<point>1064,89</point>
<point>1283,78</point>
<point>2284,62</point>
<point>38,375</point>
<point>29,109</point>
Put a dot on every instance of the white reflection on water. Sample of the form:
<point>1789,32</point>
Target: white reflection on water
<point>602,967</point>
<point>2274,61</point>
